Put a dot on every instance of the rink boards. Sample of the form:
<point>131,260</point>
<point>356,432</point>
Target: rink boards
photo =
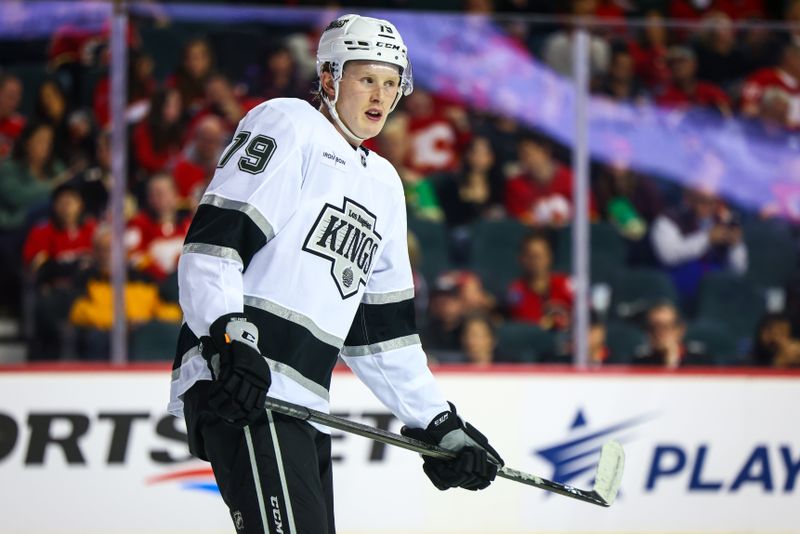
<point>94,451</point>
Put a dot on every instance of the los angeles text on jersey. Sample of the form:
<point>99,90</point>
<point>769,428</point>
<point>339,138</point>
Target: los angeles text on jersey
<point>346,237</point>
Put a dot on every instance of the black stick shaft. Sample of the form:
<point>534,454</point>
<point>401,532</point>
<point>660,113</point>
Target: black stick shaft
<point>345,425</point>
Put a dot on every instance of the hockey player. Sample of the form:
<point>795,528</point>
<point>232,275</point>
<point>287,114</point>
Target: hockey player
<point>297,255</point>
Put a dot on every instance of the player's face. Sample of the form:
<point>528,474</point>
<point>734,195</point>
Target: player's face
<point>366,93</point>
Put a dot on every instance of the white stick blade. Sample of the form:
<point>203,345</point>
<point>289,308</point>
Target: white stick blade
<point>609,471</point>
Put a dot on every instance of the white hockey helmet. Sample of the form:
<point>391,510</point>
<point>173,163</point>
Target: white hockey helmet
<point>353,37</point>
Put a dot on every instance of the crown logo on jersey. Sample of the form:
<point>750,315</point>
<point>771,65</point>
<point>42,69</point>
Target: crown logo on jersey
<point>347,238</point>
<point>347,277</point>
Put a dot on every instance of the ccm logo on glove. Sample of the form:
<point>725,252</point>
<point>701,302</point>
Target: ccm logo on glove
<point>241,373</point>
<point>476,463</point>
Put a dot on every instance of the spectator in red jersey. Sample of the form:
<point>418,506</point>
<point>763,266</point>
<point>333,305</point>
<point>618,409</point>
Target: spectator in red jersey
<point>193,74</point>
<point>620,83</point>
<point>199,161</point>
<point>665,334</point>
<point>223,101</point>
<point>649,51</point>
<point>436,134</point>
<point>11,122</point>
<point>542,194</point>
<point>156,233</point>
<point>158,139</point>
<point>56,253</point>
<point>539,295</point>
<point>55,248</point>
<point>684,90</point>
<point>784,76</point>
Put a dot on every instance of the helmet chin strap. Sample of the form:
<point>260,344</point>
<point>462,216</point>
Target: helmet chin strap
<point>351,137</point>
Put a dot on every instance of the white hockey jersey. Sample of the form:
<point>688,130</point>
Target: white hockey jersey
<point>307,236</point>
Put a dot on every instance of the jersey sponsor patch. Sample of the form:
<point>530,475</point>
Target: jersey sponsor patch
<point>346,237</point>
<point>331,159</point>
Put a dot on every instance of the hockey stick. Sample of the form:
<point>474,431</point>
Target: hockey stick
<point>607,478</point>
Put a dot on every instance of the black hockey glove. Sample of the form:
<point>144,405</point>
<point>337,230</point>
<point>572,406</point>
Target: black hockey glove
<point>477,462</point>
<point>241,374</point>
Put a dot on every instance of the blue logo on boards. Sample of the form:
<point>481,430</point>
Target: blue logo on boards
<point>698,466</point>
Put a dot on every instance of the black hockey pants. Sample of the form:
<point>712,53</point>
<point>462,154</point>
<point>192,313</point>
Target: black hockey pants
<point>274,475</point>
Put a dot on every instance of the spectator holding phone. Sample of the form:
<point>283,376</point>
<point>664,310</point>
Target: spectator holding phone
<point>701,235</point>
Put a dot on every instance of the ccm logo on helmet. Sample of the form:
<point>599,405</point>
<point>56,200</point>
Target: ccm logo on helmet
<point>390,46</point>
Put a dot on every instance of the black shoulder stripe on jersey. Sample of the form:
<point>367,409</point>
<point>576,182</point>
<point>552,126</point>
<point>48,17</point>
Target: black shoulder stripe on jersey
<point>186,341</point>
<point>376,323</point>
<point>294,345</point>
<point>228,228</point>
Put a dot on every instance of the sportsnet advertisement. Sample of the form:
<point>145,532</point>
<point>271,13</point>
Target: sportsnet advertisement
<point>96,452</point>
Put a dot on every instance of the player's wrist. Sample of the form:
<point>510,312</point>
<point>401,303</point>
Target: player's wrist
<point>240,372</point>
<point>449,431</point>
<point>443,424</point>
<point>233,327</point>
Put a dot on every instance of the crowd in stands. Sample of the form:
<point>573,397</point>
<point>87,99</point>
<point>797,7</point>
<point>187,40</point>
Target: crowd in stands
<point>680,276</point>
